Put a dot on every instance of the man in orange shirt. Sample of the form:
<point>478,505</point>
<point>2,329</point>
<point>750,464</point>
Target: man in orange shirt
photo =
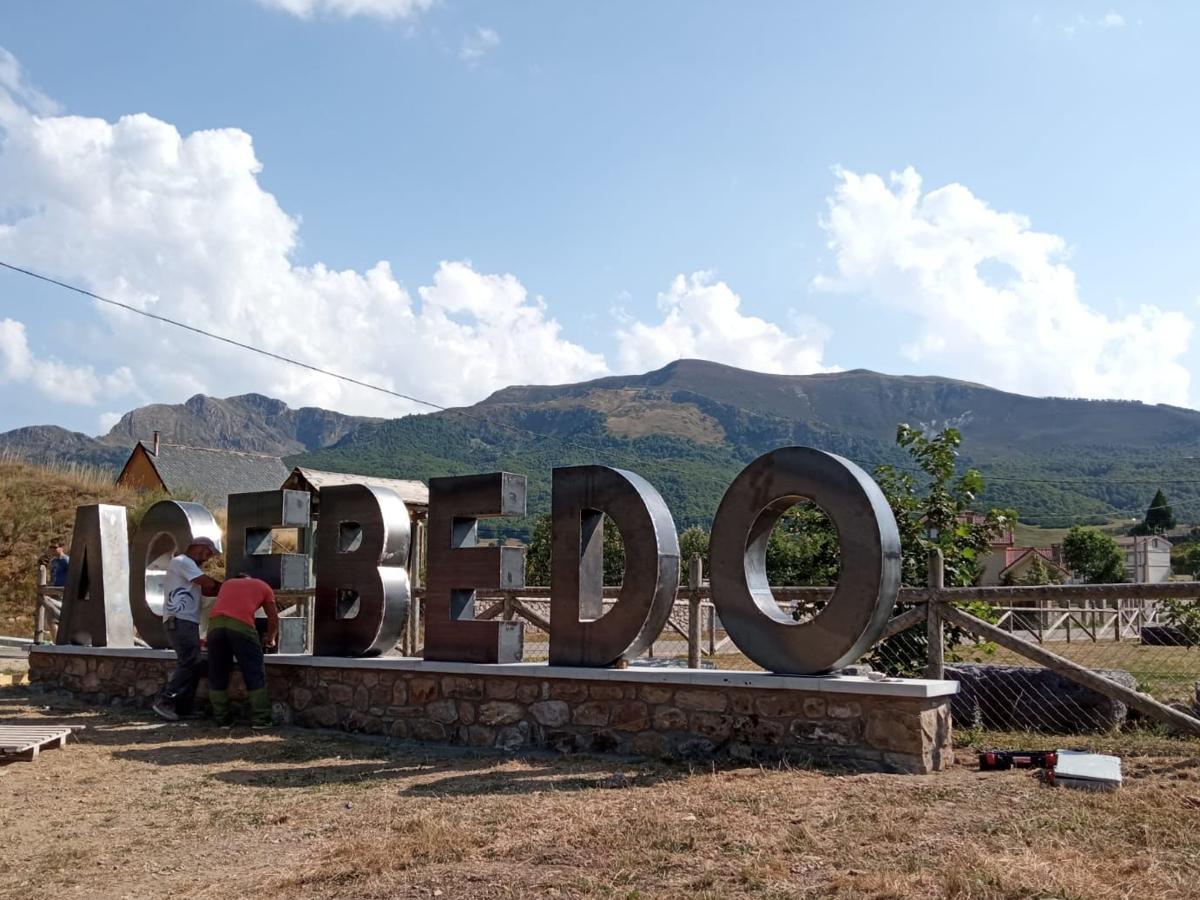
<point>233,635</point>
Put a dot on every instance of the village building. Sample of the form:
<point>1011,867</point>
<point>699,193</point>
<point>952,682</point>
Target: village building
<point>1147,558</point>
<point>415,494</point>
<point>205,474</point>
<point>1008,565</point>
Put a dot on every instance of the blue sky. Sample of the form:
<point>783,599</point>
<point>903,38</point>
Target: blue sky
<point>560,191</point>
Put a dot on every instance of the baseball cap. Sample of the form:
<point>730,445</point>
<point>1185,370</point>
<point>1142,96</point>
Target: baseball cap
<point>208,542</point>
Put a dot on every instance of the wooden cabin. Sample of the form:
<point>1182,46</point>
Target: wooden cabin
<point>415,494</point>
<point>205,473</point>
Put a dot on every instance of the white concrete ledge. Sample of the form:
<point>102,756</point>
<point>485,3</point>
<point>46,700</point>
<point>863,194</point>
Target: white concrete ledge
<point>832,684</point>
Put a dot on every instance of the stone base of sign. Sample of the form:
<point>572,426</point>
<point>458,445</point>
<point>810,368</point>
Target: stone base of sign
<point>900,725</point>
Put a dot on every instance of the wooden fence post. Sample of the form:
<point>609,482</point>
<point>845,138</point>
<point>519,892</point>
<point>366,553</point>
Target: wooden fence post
<point>415,611</point>
<point>695,576</point>
<point>39,619</point>
<point>935,581</point>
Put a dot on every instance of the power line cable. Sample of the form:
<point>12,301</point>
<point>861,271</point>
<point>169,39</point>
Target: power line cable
<point>303,365</point>
<point>514,428</point>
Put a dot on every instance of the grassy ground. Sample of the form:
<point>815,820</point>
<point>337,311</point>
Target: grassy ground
<point>1033,536</point>
<point>140,808</point>
<point>38,504</point>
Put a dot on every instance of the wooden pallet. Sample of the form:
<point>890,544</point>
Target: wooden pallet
<point>24,742</point>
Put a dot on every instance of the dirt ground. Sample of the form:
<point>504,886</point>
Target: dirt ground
<point>142,808</point>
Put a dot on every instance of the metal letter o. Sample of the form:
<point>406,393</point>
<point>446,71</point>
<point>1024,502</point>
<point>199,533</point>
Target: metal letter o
<point>165,531</point>
<point>869,577</point>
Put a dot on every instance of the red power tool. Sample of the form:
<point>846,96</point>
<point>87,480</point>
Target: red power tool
<point>1000,760</point>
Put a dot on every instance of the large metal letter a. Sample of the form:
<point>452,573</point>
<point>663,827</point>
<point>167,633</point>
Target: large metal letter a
<point>95,602</point>
<point>457,566</point>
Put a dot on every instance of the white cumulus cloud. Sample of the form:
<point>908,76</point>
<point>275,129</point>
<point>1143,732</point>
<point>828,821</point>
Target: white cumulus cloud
<point>702,318</point>
<point>379,9</point>
<point>179,225</point>
<point>53,378</point>
<point>15,89</point>
<point>995,299</point>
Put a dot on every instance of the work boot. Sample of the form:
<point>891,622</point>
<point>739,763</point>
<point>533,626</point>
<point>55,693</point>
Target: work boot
<point>260,708</point>
<point>222,715</point>
<point>163,707</point>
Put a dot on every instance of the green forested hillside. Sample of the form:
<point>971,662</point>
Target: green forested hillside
<point>640,423</point>
<point>690,426</point>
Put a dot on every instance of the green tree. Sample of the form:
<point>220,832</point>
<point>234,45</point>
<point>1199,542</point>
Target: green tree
<point>692,541</point>
<point>537,553</point>
<point>1187,561</point>
<point>803,548</point>
<point>1093,556</point>
<point>614,553</point>
<point>939,511</point>
<point>1160,516</point>
<point>936,511</point>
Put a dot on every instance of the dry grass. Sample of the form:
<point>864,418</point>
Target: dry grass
<point>174,810</point>
<point>37,504</point>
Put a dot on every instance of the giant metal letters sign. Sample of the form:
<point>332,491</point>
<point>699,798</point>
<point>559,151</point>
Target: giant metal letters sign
<point>166,530</point>
<point>250,548</point>
<point>362,541</point>
<point>95,602</point>
<point>868,576</point>
<point>362,595</point>
<point>583,634</point>
<point>458,566</point>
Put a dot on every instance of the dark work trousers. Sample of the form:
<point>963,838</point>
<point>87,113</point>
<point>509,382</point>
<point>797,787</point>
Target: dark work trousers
<point>184,637</point>
<point>224,646</point>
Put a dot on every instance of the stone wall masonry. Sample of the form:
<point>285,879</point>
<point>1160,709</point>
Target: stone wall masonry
<point>651,713</point>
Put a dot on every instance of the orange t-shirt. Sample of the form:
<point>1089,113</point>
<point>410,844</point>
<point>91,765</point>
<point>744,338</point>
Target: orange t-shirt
<point>240,598</point>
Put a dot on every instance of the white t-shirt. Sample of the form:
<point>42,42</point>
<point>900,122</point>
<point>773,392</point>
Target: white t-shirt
<point>181,595</point>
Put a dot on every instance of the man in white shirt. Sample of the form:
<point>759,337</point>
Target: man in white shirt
<point>183,587</point>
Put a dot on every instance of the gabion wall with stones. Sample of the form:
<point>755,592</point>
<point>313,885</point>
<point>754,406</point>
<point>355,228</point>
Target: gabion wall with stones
<point>682,721</point>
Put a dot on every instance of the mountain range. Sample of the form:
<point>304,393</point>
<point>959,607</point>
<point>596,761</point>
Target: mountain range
<point>690,426</point>
<point>250,422</point>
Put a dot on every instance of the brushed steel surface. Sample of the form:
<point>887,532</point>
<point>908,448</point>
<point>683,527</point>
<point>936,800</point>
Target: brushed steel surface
<point>582,634</point>
<point>95,599</point>
<point>869,575</point>
<point>362,593</point>
<point>165,531</point>
<point>457,567</point>
<point>251,519</point>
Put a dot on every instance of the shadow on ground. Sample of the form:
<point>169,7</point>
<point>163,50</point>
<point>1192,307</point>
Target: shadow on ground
<point>290,758</point>
<point>464,776</point>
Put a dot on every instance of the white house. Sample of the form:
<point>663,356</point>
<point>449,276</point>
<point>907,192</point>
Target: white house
<point>1147,559</point>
